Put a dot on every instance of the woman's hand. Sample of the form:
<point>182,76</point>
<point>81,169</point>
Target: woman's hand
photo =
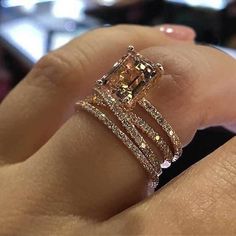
<point>65,174</point>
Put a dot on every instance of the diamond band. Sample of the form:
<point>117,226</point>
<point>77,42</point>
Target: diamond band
<point>146,129</point>
<point>130,128</point>
<point>124,138</point>
<point>120,91</point>
<point>165,126</point>
<point>156,138</point>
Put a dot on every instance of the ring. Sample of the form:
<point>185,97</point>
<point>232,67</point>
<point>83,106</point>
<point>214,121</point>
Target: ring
<point>120,91</point>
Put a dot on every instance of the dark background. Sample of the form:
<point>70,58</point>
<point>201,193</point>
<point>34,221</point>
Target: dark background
<point>214,24</point>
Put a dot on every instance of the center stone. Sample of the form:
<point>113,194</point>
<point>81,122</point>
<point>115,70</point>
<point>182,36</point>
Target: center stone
<point>130,78</point>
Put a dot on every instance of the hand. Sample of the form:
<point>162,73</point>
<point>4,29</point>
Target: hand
<point>66,174</point>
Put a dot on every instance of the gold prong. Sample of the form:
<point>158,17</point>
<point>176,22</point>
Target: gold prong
<point>130,48</point>
<point>160,67</point>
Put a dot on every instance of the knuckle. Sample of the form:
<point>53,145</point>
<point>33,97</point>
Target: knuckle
<point>180,73</point>
<point>186,72</point>
<point>177,64</point>
<point>179,77</point>
<point>64,68</point>
<point>51,69</point>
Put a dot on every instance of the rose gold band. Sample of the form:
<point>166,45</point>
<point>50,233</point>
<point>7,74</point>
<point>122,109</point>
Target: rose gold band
<point>119,91</point>
<point>124,138</point>
<point>164,125</point>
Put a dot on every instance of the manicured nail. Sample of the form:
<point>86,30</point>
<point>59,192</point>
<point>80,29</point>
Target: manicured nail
<point>179,32</point>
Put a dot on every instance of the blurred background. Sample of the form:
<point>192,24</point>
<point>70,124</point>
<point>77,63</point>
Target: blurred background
<point>31,28</point>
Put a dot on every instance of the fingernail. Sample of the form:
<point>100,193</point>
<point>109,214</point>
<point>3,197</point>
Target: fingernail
<point>179,32</point>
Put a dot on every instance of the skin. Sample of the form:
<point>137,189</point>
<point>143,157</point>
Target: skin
<point>65,174</point>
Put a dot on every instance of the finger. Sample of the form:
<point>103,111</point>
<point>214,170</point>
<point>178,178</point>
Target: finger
<point>199,202</point>
<point>45,98</point>
<point>179,32</point>
<point>201,86</point>
<point>93,174</point>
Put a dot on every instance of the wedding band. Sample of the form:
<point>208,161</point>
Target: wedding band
<point>119,92</point>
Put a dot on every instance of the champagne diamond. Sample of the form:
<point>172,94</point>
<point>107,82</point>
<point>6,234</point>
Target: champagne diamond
<point>130,78</point>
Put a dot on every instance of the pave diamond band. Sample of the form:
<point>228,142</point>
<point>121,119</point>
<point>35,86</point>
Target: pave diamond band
<point>146,129</point>
<point>124,138</point>
<point>156,138</point>
<point>119,92</point>
<point>164,125</point>
<point>130,128</point>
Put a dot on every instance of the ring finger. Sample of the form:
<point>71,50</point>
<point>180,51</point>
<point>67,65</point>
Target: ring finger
<point>44,99</point>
